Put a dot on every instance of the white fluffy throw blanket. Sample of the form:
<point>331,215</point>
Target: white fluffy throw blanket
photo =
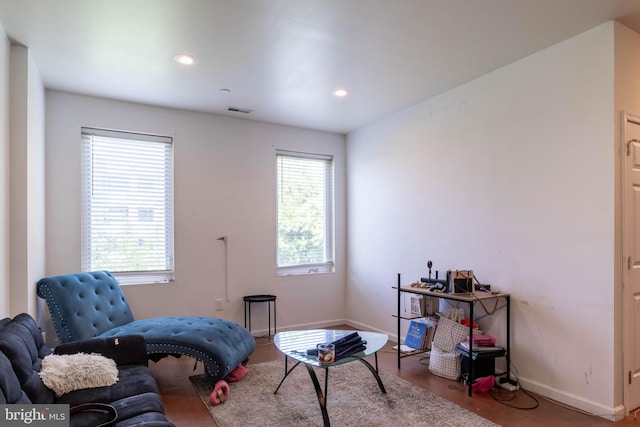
<point>67,372</point>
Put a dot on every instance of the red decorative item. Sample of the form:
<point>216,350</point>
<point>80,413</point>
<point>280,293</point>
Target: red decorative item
<point>220,393</point>
<point>237,374</point>
<point>483,384</point>
<point>466,321</point>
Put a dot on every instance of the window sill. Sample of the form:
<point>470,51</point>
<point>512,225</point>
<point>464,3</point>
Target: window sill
<point>306,269</point>
<point>151,278</point>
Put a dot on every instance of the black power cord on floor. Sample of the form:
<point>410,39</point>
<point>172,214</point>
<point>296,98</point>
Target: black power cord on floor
<point>497,392</point>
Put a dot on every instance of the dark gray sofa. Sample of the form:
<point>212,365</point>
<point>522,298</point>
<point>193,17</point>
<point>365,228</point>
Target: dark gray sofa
<point>135,396</point>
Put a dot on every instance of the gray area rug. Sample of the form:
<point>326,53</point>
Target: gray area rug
<point>354,400</point>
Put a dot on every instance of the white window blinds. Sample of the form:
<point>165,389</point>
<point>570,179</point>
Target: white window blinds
<point>305,213</point>
<point>127,205</point>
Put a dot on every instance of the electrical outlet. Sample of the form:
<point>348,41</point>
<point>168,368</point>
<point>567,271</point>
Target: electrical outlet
<point>219,304</point>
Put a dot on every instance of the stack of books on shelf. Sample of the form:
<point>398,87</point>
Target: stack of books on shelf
<point>420,334</point>
<point>484,344</point>
<point>482,340</point>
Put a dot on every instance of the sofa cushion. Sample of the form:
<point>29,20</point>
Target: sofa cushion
<point>22,343</point>
<point>132,380</point>
<point>28,323</point>
<point>142,409</point>
<point>10,390</point>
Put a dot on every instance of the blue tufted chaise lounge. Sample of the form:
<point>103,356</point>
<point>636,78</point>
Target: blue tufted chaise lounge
<point>88,305</point>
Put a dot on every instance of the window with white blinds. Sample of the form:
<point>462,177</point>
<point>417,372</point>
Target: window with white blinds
<point>305,213</point>
<point>127,205</point>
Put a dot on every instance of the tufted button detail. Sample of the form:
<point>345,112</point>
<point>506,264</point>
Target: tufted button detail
<point>85,305</point>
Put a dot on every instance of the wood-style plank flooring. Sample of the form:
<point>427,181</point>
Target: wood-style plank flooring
<point>184,408</point>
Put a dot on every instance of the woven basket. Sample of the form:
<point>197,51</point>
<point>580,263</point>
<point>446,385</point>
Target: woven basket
<point>445,364</point>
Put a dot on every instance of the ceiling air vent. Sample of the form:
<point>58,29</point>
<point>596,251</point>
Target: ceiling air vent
<point>239,110</point>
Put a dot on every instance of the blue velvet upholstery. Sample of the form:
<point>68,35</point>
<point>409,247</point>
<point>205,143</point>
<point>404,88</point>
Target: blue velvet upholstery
<point>87,305</point>
<point>84,305</point>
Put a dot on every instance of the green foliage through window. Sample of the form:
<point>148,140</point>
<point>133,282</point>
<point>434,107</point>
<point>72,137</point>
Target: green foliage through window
<point>305,209</point>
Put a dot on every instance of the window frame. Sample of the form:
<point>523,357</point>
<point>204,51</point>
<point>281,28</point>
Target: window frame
<point>327,266</point>
<point>128,277</point>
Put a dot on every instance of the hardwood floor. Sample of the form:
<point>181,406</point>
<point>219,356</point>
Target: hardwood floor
<point>184,408</point>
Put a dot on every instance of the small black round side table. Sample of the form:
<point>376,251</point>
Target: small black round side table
<point>249,299</point>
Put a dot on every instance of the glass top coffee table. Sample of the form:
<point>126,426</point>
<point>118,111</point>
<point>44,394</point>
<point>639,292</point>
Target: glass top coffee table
<point>294,345</point>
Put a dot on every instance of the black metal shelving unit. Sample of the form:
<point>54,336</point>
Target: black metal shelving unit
<point>468,298</point>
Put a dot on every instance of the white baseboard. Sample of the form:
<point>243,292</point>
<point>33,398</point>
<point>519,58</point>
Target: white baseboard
<point>315,325</point>
<point>365,327</point>
<point>580,403</point>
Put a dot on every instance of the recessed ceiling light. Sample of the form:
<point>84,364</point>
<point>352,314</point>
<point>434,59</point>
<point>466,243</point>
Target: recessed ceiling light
<point>340,93</point>
<point>184,59</point>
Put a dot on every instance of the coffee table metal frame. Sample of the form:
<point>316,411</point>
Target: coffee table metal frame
<point>293,344</point>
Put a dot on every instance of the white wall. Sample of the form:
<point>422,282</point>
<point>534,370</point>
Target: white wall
<point>225,180</point>
<point>511,175</point>
<point>27,148</point>
<point>4,175</point>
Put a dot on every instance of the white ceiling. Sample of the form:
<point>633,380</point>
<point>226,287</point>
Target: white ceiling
<point>283,58</point>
